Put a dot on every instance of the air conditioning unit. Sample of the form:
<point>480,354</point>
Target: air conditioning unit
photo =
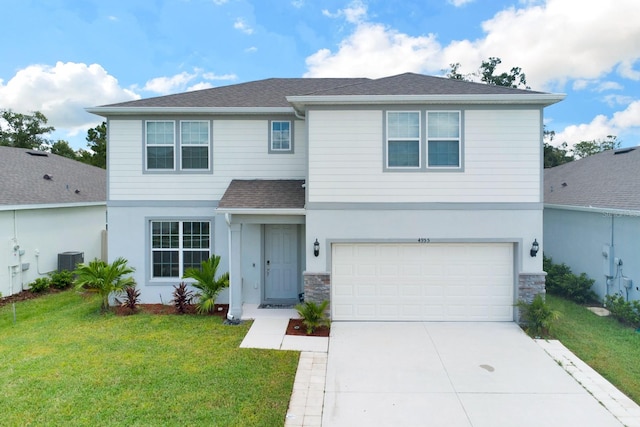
<point>69,260</point>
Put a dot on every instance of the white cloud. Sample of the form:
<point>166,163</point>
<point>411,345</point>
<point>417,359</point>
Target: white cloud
<point>548,40</point>
<point>297,3</point>
<point>241,25</point>
<point>219,2</point>
<point>374,50</point>
<point>605,86</point>
<point>181,82</point>
<point>214,76</point>
<point>62,92</point>
<point>251,49</point>
<point>199,86</point>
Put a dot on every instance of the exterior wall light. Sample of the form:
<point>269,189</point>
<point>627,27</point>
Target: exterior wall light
<point>534,248</point>
<point>316,248</point>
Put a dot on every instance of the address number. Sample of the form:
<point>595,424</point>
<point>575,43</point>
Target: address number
<point>423,240</point>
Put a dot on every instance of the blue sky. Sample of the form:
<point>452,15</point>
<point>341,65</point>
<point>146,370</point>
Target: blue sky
<point>60,56</point>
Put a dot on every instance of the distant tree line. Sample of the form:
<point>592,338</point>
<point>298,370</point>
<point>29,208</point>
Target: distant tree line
<point>515,78</point>
<point>30,130</point>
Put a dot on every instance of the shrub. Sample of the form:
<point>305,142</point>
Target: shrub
<point>61,279</point>
<point>207,283</point>
<point>313,315</point>
<point>103,278</point>
<point>132,298</point>
<point>41,284</point>
<point>538,316</point>
<point>182,298</point>
<point>627,312</point>
<point>561,281</point>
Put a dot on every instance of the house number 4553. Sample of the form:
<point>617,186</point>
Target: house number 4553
<point>423,240</point>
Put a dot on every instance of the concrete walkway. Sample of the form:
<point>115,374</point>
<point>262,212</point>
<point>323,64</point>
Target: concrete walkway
<point>449,374</point>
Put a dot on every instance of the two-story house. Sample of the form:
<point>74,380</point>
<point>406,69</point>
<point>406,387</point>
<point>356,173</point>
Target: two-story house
<point>409,197</point>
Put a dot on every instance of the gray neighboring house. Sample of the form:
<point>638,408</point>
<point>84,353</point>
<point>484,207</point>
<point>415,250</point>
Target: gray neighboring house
<point>592,219</point>
<point>48,205</point>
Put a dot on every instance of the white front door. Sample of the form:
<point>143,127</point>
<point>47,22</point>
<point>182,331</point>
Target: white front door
<point>281,262</point>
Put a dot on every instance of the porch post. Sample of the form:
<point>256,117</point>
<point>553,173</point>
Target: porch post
<point>235,272</point>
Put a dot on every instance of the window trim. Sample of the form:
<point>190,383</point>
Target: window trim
<point>150,249</point>
<point>177,148</point>
<point>387,139</point>
<point>458,139</point>
<point>147,145</point>
<point>207,145</point>
<point>424,142</point>
<point>272,150</point>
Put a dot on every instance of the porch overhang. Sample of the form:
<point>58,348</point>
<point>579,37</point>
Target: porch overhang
<point>263,197</point>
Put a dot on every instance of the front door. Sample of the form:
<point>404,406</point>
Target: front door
<point>281,262</point>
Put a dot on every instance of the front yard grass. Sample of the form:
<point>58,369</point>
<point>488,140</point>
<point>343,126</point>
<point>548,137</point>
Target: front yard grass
<point>609,347</point>
<point>64,363</point>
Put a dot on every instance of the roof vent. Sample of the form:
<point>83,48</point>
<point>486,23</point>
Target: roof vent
<point>564,184</point>
<point>38,153</point>
<point>624,150</point>
<point>48,177</point>
<point>77,191</point>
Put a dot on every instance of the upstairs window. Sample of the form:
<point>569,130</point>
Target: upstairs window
<point>443,139</point>
<point>194,144</point>
<point>403,139</point>
<point>160,141</point>
<point>280,140</point>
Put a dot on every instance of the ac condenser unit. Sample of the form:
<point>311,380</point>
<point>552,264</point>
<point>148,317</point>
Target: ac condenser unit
<point>69,260</point>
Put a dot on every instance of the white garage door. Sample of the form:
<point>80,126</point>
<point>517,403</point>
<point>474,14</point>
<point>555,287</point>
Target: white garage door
<point>433,281</point>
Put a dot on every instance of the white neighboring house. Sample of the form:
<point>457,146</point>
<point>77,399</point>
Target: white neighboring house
<point>409,197</point>
<point>592,219</point>
<point>48,205</point>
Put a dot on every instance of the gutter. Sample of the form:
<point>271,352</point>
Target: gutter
<point>259,211</point>
<point>593,209</point>
<point>129,111</point>
<point>49,206</point>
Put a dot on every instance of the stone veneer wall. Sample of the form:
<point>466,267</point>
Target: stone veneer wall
<point>317,287</point>
<point>530,285</point>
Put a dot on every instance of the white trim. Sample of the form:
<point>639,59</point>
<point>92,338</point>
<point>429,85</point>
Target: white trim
<point>50,206</point>
<point>544,99</point>
<point>613,211</point>
<point>260,211</point>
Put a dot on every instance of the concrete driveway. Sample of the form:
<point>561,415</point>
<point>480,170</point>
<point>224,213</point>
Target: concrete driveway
<point>449,374</point>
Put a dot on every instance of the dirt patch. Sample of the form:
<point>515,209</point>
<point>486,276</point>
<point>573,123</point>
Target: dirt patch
<point>296,327</point>
<point>25,296</point>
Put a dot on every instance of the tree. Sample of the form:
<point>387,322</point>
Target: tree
<point>97,143</point>
<point>207,283</point>
<point>515,78</point>
<point>587,148</point>
<point>62,148</point>
<point>24,130</point>
<point>103,278</point>
<point>554,156</point>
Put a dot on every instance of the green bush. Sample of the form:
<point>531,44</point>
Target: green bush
<point>538,316</point>
<point>627,312</point>
<point>41,284</point>
<point>561,281</point>
<point>61,279</point>
<point>313,315</point>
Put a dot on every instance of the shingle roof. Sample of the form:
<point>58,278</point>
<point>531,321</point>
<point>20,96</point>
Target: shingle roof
<point>260,93</point>
<point>273,92</point>
<point>23,181</point>
<point>610,179</point>
<point>264,194</point>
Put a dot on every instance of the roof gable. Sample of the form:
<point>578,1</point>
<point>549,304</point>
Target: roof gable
<point>36,178</point>
<point>608,180</point>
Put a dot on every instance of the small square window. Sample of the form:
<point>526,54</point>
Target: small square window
<point>443,139</point>
<point>403,139</point>
<point>280,136</point>
<point>160,140</point>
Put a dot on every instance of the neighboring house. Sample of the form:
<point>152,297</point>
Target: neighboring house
<point>402,198</point>
<point>48,205</point>
<point>592,219</point>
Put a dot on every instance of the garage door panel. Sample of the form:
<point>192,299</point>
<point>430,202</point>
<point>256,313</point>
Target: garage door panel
<point>422,282</point>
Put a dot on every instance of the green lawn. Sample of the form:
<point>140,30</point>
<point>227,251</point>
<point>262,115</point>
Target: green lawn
<point>63,363</point>
<point>602,342</point>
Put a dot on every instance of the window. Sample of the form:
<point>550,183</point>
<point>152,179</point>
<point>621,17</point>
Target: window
<point>403,139</point>
<point>194,143</point>
<point>178,245</point>
<point>160,142</point>
<point>443,139</point>
<point>280,137</point>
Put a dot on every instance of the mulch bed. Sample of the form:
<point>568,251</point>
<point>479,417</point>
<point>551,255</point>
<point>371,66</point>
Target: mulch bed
<point>296,327</point>
<point>162,309</point>
<point>25,296</point>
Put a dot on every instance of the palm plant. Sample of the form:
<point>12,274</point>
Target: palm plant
<point>103,278</point>
<point>313,315</point>
<point>207,283</point>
